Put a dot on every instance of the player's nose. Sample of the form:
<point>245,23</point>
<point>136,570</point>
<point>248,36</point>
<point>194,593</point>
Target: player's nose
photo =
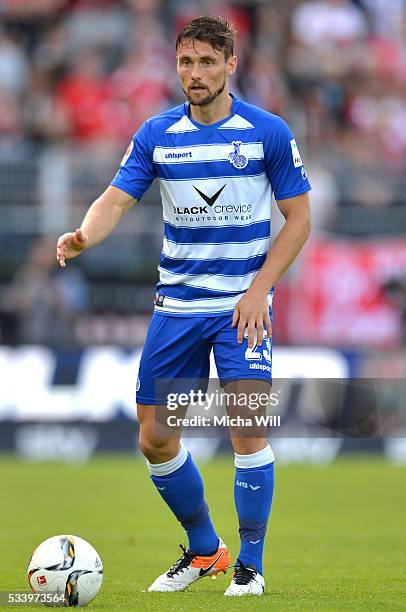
<point>195,73</point>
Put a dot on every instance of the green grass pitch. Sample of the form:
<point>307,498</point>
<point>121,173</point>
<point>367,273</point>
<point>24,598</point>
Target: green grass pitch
<point>337,536</point>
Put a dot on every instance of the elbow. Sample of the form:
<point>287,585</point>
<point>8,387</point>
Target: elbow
<point>307,225</point>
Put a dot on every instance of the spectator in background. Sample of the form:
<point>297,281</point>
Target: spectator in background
<point>44,302</point>
<point>85,95</point>
<point>29,18</point>
<point>143,82</point>
<point>378,111</point>
<point>14,66</point>
<point>52,53</point>
<point>11,119</point>
<point>264,84</point>
<point>325,22</point>
<point>14,73</point>
<point>386,17</point>
<point>46,118</point>
<point>102,23</point>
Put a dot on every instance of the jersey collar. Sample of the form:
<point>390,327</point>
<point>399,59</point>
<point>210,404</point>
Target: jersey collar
<point>218,123</point>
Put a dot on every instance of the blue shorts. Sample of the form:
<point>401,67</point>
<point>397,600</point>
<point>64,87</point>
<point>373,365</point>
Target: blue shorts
<point>180,347</point>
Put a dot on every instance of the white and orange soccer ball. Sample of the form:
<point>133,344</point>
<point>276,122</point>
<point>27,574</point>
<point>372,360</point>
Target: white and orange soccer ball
<point>66,568</point>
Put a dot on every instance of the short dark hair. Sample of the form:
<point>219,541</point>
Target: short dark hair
<point>217,31</point>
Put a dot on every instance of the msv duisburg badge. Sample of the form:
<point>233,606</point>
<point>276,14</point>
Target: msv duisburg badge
<point>236,158</point>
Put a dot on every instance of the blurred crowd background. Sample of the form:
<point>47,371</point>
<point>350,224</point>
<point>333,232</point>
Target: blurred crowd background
<point>78,77</point>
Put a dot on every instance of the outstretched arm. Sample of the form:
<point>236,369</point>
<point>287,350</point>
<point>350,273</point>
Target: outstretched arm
<point>100,220</point>
<point>252,311</point>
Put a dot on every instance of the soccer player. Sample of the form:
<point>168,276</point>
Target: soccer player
<point>218,161</point>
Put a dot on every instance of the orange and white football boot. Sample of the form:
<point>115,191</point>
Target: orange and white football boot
<point>191,567</point>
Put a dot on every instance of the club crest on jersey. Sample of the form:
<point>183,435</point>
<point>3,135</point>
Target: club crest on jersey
<point>236,158</point>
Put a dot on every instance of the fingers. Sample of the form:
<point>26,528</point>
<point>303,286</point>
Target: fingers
<point>255,328</point>
<point>260,331</point>
<point>251,333</point>
<point>61,250</point>
<point>268,325</point>
<point>242,324</point>
<point>69,245</point>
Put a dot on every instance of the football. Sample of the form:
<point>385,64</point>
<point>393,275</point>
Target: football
<point>68,568</point>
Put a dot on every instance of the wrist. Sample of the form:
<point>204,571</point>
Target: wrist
<point>261,289</point>
<point>86,242</point>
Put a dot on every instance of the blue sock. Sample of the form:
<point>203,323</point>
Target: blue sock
<point>180,485</point>
<point>253,491</point>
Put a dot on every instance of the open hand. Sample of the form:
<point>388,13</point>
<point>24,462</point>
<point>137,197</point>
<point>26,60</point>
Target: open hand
<point>70,245</point>
<point>252,313</point>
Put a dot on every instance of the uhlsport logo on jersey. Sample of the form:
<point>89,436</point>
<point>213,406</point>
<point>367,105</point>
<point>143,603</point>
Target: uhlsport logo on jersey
<point>175,155</point>
<point>260,357</point>
<point>236,158</point>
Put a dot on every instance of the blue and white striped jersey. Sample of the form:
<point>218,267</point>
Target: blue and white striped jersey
<point>216,185</point>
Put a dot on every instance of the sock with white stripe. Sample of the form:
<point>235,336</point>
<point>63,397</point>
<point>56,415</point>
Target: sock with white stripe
<point>253,491</point>
<point>180,485</point>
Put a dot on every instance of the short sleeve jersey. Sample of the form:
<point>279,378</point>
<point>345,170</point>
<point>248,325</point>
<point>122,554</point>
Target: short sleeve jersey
<point>216,185</point>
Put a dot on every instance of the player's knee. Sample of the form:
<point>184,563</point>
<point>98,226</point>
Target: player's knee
<point>248,446</point>
<point>149,445</point>
<point>157,450</point>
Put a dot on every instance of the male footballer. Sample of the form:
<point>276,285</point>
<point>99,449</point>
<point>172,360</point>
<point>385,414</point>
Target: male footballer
<point>218,161</point>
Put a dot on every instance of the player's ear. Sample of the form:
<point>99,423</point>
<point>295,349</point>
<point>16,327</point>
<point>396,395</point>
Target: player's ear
<point>231,65</point>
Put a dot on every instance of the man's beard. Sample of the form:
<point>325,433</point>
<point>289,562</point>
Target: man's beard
<point>208,99</point>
